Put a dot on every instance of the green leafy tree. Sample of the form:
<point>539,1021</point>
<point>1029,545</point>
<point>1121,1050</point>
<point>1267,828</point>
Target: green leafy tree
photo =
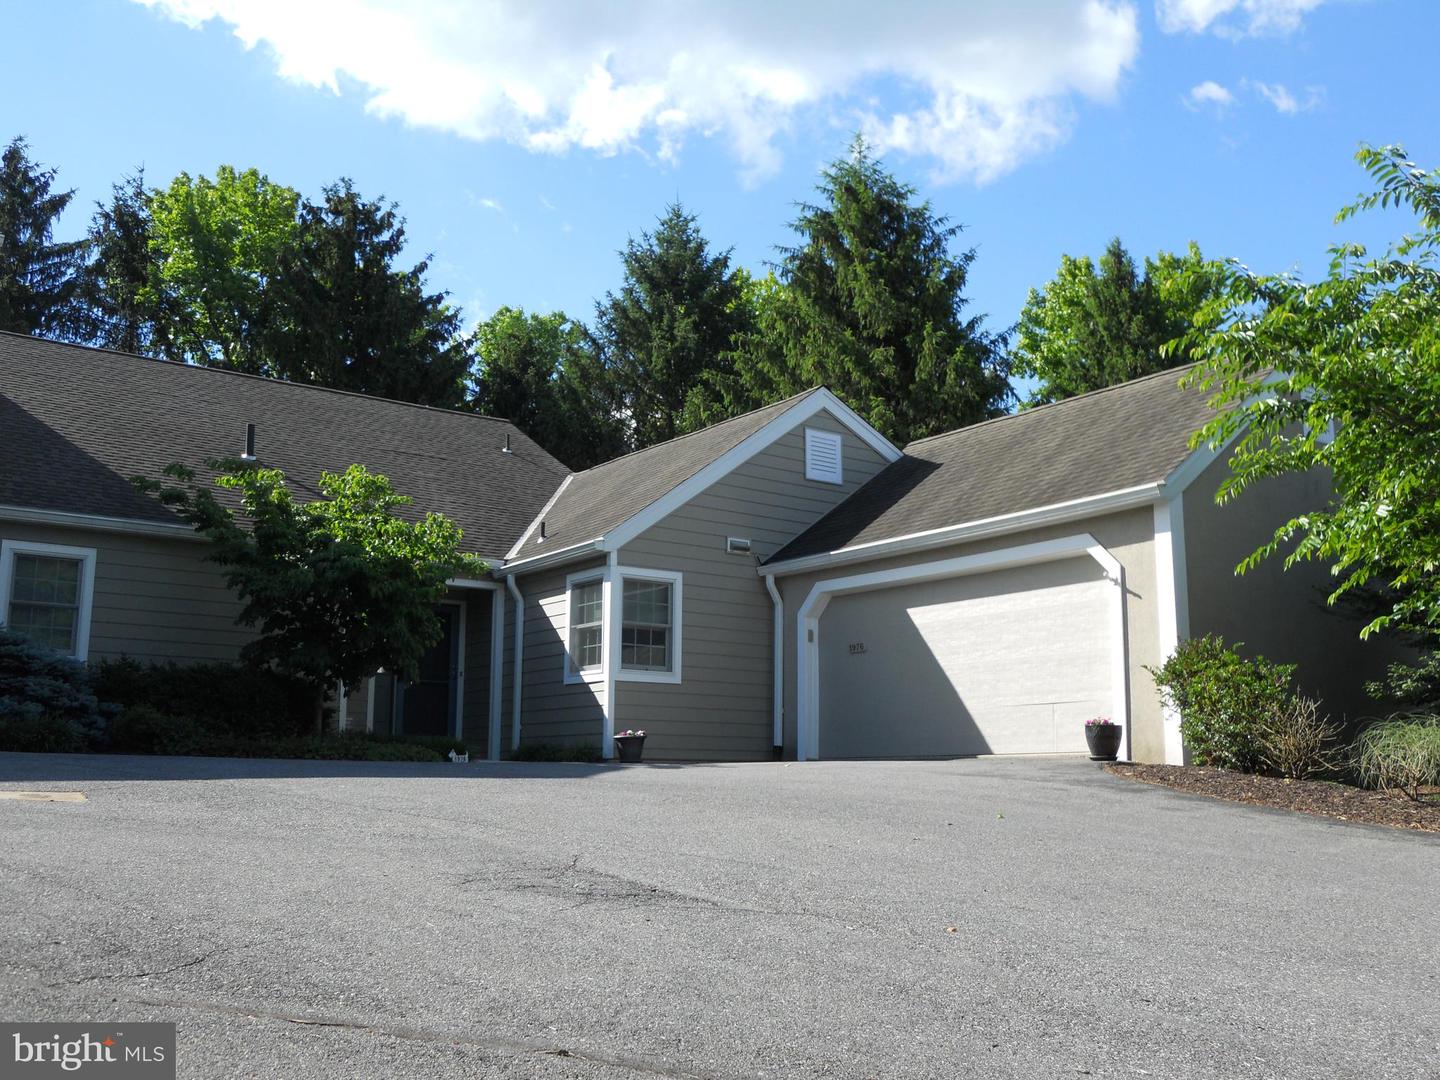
<point>540,372</point>
<point>677,313</point>
<point>39,277</point>
<point>1093,327</point>
<point>336,588</point>
<point>119,284</point>
<point>1342,374</point>
<point>870,302</point>
<point>218,245</point>
<point>342,315</point>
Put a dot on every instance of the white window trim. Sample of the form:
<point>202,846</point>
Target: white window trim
<point>590,675</point>
<point>676,581</point>
<point>86,556</point>
<point>819,435</point>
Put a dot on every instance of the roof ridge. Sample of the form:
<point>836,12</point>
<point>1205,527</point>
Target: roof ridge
<point>1054,404</point>
<point>258,378</point>
<point>793,398</point>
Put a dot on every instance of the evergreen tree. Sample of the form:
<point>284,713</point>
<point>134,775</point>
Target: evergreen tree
<point>341,315</point>
<point>677,313</point>
<point>870,303</point>
<point>218,246</point>
<point>39,278</point>
<point>540,372</point>
<point>119,289</point>
<point>1093,327</point>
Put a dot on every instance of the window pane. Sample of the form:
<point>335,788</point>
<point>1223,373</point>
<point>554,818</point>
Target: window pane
<point>53,627</point>
<point>647,602</point>
<point>645,647</point>
<point>587,603</point>
<point>587,636</point>
<point>41,579</point>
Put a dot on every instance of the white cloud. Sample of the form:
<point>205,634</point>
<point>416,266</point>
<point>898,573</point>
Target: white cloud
<point>1279,95</point>
<point>983,85</point>
<point>1233,18</point>
<point>1209,92</point>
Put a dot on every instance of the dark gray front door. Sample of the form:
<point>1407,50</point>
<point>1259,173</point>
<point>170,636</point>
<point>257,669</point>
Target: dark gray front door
<point>427,706</point>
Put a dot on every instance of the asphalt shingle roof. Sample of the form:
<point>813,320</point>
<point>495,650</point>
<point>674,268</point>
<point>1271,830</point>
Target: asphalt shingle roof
<point>77,423</point>
<point>1108,440</point>
<point>597,500</point>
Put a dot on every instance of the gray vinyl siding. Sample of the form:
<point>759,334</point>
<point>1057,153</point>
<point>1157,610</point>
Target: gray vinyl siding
<point>1278,613</point>
<point>721,710</point>
<point>552,710</point>
<point>154,599</point>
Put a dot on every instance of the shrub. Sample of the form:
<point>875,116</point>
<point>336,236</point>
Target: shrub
<point>1401,753</point>
<point>214,698</point>
<point>46,704</point>
<point>144,729</point>
<point>1297,740</point>
<point>1224,700</point>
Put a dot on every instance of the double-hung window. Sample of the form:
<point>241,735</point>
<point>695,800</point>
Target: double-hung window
<point>45,593</point>
<point>587,627</point>
<point>647,625</point>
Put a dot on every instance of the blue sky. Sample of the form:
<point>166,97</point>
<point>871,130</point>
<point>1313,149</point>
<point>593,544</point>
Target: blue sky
<point>526,142</point>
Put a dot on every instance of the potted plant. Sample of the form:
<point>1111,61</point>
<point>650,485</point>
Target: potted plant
<point>629,745</point>
<point>1103,738</point>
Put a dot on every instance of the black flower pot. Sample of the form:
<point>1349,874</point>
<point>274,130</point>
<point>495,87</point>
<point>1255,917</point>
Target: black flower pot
<point>629,747</point>
<point>1103,740</point>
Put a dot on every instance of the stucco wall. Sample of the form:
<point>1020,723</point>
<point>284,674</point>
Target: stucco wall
<point>1281,614</point>
<point>721,710</point>
<point>1127,535</point>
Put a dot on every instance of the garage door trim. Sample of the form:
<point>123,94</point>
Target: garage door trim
<point>807,732</point>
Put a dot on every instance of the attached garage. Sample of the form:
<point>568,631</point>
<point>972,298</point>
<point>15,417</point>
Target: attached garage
<point>1008,662</point>
<point>1007,651</point>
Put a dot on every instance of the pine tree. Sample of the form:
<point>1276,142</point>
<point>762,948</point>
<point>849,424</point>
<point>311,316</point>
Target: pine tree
<point>39,278</point>
<point>341,315</point>
<point>676,315</point>
<point>870,302</point>
<point>119,290</point>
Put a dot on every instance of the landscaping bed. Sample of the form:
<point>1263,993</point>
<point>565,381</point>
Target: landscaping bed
<point>1320,797</point>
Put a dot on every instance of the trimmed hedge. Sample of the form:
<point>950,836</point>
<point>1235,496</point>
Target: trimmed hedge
<point>201,700</point>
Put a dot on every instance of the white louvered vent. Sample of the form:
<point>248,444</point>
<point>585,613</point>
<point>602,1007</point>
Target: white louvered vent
<point>823,457</point>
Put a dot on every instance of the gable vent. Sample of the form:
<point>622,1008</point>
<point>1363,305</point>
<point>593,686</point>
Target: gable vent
<point>823,457</point>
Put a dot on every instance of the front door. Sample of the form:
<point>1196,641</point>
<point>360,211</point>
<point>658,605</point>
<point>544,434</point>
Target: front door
<point>427,706</point>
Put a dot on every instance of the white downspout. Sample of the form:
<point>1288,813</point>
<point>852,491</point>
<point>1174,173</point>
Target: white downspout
<point>519,665</point>
<point>777,663</point>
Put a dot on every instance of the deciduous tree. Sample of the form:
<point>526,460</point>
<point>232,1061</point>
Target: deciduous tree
<point>337,587</point>
<point>1343,375</point>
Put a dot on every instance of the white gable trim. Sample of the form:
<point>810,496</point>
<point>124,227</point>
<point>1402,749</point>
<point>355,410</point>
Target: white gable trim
<point>535,523</point>
<point>821,400</point>
<point>1124,499</point>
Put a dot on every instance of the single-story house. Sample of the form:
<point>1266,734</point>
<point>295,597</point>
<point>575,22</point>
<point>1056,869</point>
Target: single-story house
<point>787,582</point>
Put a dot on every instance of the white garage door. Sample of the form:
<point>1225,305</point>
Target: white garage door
<point>1008,662</point>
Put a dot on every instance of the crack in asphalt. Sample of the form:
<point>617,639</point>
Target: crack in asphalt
<point>571,881</point>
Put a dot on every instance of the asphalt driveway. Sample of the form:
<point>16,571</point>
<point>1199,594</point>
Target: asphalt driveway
<point>1000,918</point>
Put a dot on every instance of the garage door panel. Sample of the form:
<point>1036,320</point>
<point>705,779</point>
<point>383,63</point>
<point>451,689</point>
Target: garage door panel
<point>1008,662</point>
